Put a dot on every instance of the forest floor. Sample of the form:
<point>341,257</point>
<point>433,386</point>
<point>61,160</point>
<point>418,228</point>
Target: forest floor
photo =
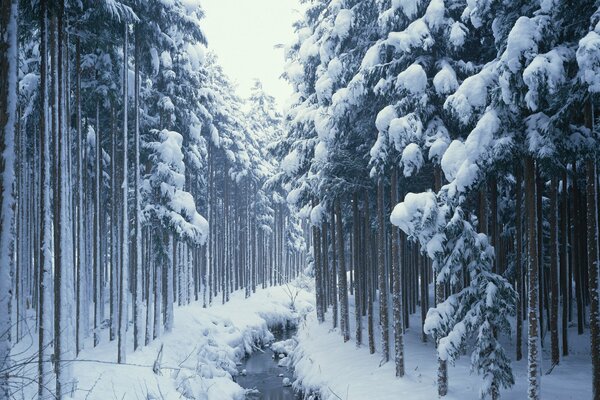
<point>337,370</point>
<point>199,358</point>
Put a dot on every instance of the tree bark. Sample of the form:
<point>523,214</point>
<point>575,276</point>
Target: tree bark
<point>383,292</point>
<point>398,284</point>
<point>593,257</point>
<point>8,110</point>
<point>518,258</point>
<point>533,356</point>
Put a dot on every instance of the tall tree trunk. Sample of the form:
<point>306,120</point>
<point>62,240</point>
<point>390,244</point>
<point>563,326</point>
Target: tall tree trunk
<point>370,284</point>
<point>81,328</point>
<point>123,282</point>
<point>318,275</point>
<point>343,282</point>
<point>137,227</point>
<point>97,238</point>
<point>358,293</point>
<point>333,279</point>
<point>593,257</point>
<point>63,273</point>
<point>442,376</point>
<point>575,248</point>
<point>8,110</point>
<point>383,292</point>
<point>554,346</point>
<point>518,258</point>
<point>398,284</point>
<point>565,280</point>
<point>533,356</point>
<point>46,234</point>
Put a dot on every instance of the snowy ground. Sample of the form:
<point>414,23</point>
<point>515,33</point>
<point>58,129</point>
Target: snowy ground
<point>199,356</point>
<point>337,370</point>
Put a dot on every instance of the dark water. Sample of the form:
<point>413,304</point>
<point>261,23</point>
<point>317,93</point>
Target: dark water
<point>262,373</point>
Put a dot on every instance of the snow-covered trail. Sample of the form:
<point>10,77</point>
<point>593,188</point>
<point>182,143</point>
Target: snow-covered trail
<point>198,357</point>
<point>324,364</point>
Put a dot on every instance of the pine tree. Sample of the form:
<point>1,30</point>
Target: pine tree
<point>8,117</point>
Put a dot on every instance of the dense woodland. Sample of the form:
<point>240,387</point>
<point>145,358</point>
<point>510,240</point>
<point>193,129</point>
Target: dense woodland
<point>438,157</point>
<point>447,150</point>
<point>139,181</point>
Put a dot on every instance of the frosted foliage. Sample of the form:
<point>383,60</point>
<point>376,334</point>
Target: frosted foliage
<point>316,215</point>
<point>438,148</point>
<point>521,44</point>
<point>537,126</point>
<point>384,117</point>
<point>412,159</point>
<point>165,60</point>
<point>445,81</point>
<point>460,162</point>
<point>458,34</point>
<point>335,69</point>
<point>294,72</point>
<point>291,162</point>
<point>322,125</point>
<point>155,60</point>
<point>544,71</point>
<point>419,207</point>
<point>416,35</point>
<point>588,59</point>
<point>408,7</point>
<point>434,15</point>
<point>405,129</point>
<point>413,79</point>
<point>343,23</point>
<point>371,57</point>
<point>471,96</point>
<point>308,49</point>
<point>321,152</point>
<point>175,207</point>
<point>453,158</point>
<point>196,55</point>
<point>324,87</point>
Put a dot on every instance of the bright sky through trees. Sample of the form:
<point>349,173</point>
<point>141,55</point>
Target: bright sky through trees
<point>244,34</point>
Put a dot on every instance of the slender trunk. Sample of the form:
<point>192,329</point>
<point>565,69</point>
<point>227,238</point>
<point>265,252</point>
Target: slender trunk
<point>564,268</point>
<point>343,283</point>
<point>593,257</point>
<point>318,275</point>
<point>356,264</point>
<point>575,249</point>
<point>442,375</point>
<point>137,227</point>
<point>397,287</point>
<point>46,239</point>
<point>333,279</point>
<point>554,270</point>
<point>123,281</point>
<point>518,258</point>
<point>383,292</point>
<point>533,356</point>
<point>8,110</point>
<point>369,273</point>
<point>97,221</point>
<point>79,216</point>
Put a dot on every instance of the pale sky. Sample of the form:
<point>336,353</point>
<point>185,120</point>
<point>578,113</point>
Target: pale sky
<point>243,34</point>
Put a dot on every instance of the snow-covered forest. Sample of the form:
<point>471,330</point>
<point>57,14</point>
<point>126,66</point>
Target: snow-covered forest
<point>420,221</point>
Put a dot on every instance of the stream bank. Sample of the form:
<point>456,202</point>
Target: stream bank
<point>266,373</point>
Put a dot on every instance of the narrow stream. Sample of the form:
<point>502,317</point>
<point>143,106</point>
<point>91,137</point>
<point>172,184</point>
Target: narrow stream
<point>265,376</point>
